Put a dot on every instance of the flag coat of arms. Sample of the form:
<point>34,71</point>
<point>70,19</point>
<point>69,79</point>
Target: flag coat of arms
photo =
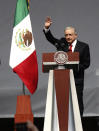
<point>23,59</point>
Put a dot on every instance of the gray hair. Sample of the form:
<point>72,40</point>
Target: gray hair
<point>70,27</point>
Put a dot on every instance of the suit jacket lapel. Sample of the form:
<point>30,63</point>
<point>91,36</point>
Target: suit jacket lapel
<point>77,46</point>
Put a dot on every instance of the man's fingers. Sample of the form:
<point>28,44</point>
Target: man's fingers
<point>48,19</point>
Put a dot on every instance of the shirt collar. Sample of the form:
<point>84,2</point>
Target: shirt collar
<point>74,43</point>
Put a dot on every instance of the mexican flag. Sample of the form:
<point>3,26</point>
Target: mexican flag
<point>23,59</point>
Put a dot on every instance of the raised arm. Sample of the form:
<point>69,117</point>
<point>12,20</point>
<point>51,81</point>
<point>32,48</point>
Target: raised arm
<point>56,42</point>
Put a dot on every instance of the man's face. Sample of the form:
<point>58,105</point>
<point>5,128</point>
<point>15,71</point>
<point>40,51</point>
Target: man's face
<point>70,35</point>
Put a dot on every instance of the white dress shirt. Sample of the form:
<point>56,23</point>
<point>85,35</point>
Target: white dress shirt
<point>73,45</point>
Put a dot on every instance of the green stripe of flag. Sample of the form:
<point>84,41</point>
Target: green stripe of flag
<point>21,11</point>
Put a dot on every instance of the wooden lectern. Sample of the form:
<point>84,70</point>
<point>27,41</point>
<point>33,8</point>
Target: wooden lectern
<point>62,111</point>
<point>23,110</point>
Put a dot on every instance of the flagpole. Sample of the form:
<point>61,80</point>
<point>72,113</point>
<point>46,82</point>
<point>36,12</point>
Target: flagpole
<point>23,88</point>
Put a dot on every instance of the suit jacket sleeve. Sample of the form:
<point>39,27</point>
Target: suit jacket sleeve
<point>52,39</point>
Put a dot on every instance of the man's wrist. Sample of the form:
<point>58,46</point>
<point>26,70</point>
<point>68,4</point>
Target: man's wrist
<point>46,29</point>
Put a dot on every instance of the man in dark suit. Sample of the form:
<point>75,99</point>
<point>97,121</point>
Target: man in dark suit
<point>70,43</point>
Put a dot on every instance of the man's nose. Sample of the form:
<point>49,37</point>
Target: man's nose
<point>68,36</point>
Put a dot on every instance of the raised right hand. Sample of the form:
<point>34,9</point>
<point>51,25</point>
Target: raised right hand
<point>48,22</point>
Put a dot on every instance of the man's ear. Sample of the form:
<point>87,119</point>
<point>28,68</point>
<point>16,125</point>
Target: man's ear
<point>76,36</point>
